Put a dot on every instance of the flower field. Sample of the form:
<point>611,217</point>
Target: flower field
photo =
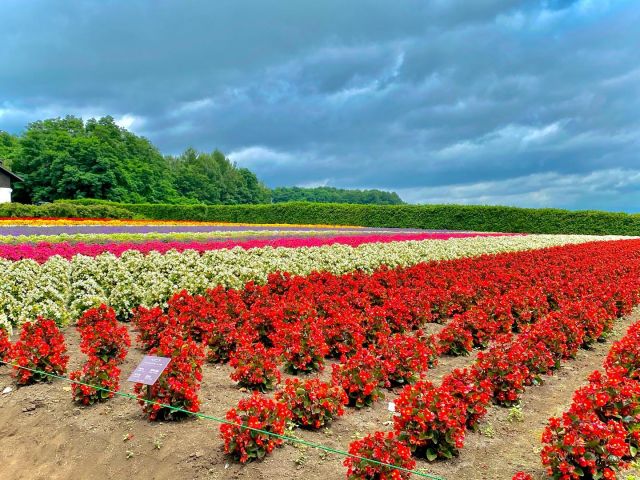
<point>330,352</point>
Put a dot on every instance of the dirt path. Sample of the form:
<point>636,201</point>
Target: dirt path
<point>43,435</point>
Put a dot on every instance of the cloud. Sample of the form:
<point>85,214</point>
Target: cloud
<point>595,190</point>
<point>412,96</point>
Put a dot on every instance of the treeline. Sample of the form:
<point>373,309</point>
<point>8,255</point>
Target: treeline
<point>334,195</point>
<point>67,158</point>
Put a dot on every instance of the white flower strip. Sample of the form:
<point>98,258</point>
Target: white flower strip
<point>62,289</point>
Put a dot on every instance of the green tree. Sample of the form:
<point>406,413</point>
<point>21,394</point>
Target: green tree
<point>68,158</point>
<point>211,178</point>
<point>9,146</point>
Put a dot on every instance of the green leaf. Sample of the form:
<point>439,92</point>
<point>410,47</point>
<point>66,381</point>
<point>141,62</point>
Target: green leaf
<point>431,455</point>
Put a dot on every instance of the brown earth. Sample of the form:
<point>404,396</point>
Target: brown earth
<point>44,435</point>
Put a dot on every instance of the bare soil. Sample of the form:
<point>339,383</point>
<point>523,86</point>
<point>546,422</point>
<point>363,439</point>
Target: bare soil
<point>44,435</point>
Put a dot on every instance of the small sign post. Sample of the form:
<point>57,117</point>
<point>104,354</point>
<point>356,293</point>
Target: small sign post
<point>149,370</point>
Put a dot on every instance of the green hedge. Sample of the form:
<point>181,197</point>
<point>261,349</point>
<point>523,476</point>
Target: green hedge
<point>67,210</point>
<point>452,217</point>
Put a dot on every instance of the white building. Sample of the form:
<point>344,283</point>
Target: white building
<point>6,177</point>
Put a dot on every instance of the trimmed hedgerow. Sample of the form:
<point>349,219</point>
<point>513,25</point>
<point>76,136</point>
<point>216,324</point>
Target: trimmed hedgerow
<point>453,217</point>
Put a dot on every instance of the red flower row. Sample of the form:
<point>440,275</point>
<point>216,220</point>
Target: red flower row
<point>600,433</point>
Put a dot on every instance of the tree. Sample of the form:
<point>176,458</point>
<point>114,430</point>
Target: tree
<point>211,178</point>
<point>67,158</point>
<point>9,146</point>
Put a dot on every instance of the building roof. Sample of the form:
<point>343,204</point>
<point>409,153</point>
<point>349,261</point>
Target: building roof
<point>9,174</point>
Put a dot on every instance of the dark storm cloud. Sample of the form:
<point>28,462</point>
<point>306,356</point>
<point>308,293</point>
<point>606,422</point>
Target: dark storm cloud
<point>527,103</point>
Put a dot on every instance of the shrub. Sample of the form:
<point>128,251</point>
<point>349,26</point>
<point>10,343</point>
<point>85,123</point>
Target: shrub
<point>192,313</point>
<point>98,373</point>
<point>313,404</point>
<point>66,210</point>
<point>343,333</point>
<point>360,376</point>
<point>537,358</point>
<point>376,324</point>
<point>220,340</point>
<point>178,385</point>
<point>522,476</point>
<point>591,317</point>
<point>430,420</point>
<point>454,217</point>
<point>256,412</point>
<point>40,347</point>
<point>150,324</point>
<point>91,317</point>
<point>254,367</point>
<point>611,397</point>
<point>383,448</point>
<point>560,334</point>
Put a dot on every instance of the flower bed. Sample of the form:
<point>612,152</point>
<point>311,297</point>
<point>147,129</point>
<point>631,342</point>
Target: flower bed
<point>62,289</point>
<point>388,303</point>
<point>555,300</point>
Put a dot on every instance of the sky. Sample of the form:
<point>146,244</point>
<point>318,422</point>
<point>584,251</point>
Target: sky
<point>526,103</point>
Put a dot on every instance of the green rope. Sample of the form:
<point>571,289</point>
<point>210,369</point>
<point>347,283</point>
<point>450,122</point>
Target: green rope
<point>222,420</point>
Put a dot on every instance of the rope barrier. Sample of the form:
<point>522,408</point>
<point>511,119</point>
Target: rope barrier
<point>287,438</point>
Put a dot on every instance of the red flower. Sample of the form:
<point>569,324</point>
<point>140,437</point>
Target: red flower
<point>313,404</point>
<point>260,413</point>
<point>384,448</point>
<point>254,367</point>
<point>102,336</point>
<point>430,420</point>
<point>95,373</point>
<point>405,358</point>
<point>360,376</point>
<point>40,347</point>
<point>5,346</point>
<point>178,385</point>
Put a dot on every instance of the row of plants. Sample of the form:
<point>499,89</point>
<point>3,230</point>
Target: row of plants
<point>454,217</point>
<point>61,289</point>
<point>599,435</point>
<point>79,221</point>
<point>43,251</point>
<point>20,235</point>
<point>40,355</point>
<point>67,210</point>
<point>431,420</point>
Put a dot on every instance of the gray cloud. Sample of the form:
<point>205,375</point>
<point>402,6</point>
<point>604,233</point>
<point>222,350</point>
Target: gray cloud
<point>437,100</point>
